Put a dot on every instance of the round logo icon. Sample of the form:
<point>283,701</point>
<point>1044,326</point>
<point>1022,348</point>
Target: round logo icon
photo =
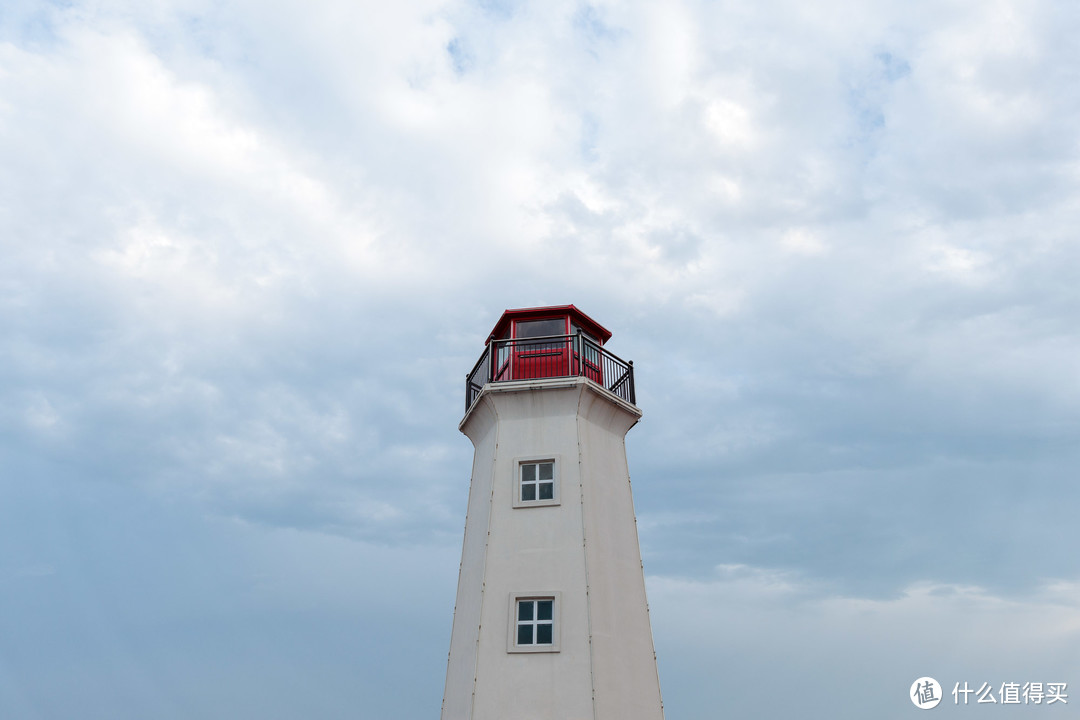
<point>925,693</point>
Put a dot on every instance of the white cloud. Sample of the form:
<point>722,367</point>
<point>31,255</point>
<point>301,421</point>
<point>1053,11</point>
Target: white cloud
<point>751,638</point>
<point>40,413</point>
<point>800,241</point>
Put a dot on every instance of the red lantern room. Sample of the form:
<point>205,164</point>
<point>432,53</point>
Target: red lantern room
<point>550,342</point>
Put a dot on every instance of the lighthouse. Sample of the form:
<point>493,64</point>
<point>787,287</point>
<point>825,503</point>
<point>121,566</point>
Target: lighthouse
<point>551,620</point>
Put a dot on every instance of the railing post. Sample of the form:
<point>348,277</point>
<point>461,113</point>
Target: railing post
<point>491,362</point>
<point>633,392</point>
<point>580,354</point>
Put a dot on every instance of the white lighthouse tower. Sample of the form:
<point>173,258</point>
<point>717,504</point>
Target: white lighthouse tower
<point>551,621</point>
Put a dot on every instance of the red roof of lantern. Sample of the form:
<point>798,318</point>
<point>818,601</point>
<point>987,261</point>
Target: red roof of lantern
<point>577,317</point>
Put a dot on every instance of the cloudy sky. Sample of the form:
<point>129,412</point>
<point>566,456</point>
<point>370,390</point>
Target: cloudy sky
<point>249,250</point>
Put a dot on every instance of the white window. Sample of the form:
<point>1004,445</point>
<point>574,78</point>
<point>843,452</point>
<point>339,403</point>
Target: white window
<point>536,481</point>
<point>534,622</point>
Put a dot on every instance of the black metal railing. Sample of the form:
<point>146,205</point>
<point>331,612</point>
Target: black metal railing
<point>550,357</point>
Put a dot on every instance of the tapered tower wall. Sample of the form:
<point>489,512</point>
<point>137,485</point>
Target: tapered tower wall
<point>583,551</point>
<point>625,681</point>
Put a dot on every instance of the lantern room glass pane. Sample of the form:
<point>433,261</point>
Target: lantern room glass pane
<point>540,328</point>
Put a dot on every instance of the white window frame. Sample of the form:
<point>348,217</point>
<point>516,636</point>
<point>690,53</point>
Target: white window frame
<point>517,479</point>
<point>512,627</point>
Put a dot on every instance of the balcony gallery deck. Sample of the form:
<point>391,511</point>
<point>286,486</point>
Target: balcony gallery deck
<point>550,342</point>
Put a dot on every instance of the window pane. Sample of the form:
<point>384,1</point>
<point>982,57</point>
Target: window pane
<point>543,635</point>
<point>547,471</point>
<point>525,635</point>
<point>543,609</point>
<point>528,473</point>
<point>525,610</point>
<point>528,492</point>
<point>541,328</point>
<point>547,491</point>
